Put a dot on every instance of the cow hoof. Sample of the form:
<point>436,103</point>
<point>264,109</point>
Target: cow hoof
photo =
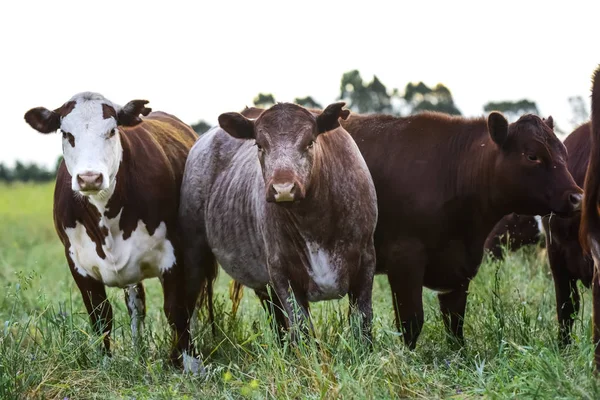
<point>193,365</point>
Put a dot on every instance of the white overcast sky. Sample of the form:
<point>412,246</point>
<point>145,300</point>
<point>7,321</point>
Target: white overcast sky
<point>197,59</point>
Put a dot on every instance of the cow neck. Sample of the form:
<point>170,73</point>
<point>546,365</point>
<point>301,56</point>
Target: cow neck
<point>476,175</point>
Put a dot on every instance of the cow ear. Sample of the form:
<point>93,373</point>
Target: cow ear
<point>329,118</point>
<point>43,120</point>
<point>498,128</point>
<point>237,125</point>
<point>129,114</point>
<point>549,121</point>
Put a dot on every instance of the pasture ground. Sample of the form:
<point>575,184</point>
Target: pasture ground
<point>47,349</point>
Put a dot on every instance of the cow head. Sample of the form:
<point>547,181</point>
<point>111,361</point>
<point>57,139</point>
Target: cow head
<point>91,143</point>
<point>531,168</point>
<point>286,142</point>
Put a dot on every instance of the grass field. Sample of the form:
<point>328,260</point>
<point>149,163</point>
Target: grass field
<point>47,349</point>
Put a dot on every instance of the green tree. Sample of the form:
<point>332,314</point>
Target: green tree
<point>579,111</point>
<point>6,174</point>
<point>372,97</point>
<point>512,109</point>
<point>264,100</point>
<point>201,127</point>
<point>307,102</point>
<point>420,97</point>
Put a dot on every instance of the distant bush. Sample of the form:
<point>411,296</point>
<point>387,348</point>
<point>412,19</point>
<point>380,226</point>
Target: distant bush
<point>30,172</point>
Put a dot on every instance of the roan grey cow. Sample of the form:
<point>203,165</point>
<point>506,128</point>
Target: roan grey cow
<point>284,201</point>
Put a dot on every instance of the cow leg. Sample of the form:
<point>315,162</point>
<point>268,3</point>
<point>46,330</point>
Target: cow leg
<point>567,302</point>
<point>453,306</point>
<point>178,309</point>
<point>405,264</point>
<point>361,289</point>
<point>96,303</point>
<point>295,305</point>
<point>135,298</point>
<point>273,306</point>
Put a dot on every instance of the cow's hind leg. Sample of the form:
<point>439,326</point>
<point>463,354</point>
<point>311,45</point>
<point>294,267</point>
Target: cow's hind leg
<point>361,290</point>
<point>179,308</point>
<point>135,299</point>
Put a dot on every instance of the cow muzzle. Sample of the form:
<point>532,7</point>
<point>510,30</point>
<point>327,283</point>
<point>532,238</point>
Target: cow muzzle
<point>284,192</point>
<point>90,182</point>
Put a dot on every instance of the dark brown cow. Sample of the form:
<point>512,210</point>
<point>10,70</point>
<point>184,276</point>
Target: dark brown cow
<point>442,184</point>
<point>285,201</point>
<point>590,217</point>
<point>513,232</point>
<point>567,260</point>
<point>115,205</point>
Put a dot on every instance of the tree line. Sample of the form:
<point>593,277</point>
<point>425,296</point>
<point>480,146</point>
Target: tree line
<point>30,172</point>
<point>361,96</point>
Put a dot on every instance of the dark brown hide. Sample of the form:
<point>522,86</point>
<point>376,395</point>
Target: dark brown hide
<point>590,218</point>
<point>442,184</point>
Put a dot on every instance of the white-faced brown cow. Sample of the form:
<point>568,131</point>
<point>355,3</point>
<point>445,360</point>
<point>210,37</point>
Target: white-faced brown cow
<point>284,201</point>
<point>115,205</point>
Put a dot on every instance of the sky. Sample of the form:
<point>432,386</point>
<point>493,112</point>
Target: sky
<point>198,59</point>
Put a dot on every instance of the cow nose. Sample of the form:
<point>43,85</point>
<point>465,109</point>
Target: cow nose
<point>89,181</point>
<point>284,191</point>
<point>575,200</point>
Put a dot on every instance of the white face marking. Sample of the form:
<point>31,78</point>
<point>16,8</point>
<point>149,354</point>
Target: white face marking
<point>128,261</point>
<point>324,274</point>
<point>96,150</point>
<point>136,307</point>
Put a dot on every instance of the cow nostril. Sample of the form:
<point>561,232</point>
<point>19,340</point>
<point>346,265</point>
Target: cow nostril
<point>575,200</point>
<point>98,180</point>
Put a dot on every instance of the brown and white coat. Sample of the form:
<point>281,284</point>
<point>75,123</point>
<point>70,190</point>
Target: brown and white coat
<point>115,205</point>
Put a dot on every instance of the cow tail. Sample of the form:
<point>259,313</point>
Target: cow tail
<point>236,292</point>
<point>590,220</point>
<point>205,295</point>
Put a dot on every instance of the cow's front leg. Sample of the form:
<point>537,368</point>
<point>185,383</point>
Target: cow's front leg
<point>293,298</point>
<point>96,303</point>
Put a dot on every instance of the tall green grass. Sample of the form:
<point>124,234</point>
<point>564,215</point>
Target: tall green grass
<point>47,349</point>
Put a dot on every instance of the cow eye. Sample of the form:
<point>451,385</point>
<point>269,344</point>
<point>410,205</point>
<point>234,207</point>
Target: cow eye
<point>258,146</point>
<point>111,133</point>
<point>311,144</point>
<point>532,158</point>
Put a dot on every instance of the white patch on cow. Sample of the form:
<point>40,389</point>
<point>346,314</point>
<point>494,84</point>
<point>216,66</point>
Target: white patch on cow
<point>95,150</point>
<point>595,250</point>
<point>136,308</point>
<point>323,273</point>
<point>540,226</point>
<point>442,291</point>
<point>127,261</point>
